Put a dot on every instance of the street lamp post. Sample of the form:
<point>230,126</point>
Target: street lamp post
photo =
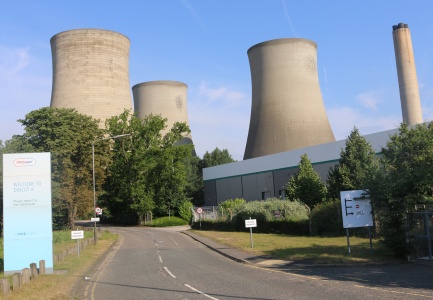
<point>93,171</point>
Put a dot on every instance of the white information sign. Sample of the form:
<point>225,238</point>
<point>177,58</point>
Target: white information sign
<point>356,209</point>
<point>94,219</point>
<point>28,230</point>
<point>250,223</point>
<point>77,234</point>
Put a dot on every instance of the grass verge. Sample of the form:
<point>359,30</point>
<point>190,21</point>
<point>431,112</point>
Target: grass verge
<point>60,284</point>
<point>319,250</point>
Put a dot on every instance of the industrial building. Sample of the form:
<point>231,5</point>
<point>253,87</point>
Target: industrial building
<point>285,96</point>
<point>91,72</point>
<point>287,110</point>
<point>407,80</point>
<point>264,177</point>
<point>169,99</point>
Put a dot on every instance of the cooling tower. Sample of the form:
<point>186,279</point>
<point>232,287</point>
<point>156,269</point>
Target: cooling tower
<point>91,72</point>
<point>287,110</point>
<point>165,98</point>
<point>407,81</point>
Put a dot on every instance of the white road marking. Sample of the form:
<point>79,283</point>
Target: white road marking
<point>169,273</point>
<point>160,258</point>
<point>200,292</point>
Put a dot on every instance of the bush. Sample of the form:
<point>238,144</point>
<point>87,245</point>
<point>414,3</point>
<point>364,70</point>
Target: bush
<point>231,206</point>
<point>168,221</point>
<point>326,219</point>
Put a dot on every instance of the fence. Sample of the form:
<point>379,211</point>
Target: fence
<point>32,273</point>
<point>208,213</point>
<point>419,230</point>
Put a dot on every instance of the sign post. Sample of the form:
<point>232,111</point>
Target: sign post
<point>356,211</point>
<point>250,224</point>
<point>76,235</point>
<point>199,211</point>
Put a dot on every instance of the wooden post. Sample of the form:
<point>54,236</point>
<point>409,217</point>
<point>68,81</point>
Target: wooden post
<point>33,271</point>
<point>42,267</point>
<point>16,281</point>
<point>6,288</point>
<point>25,276</point>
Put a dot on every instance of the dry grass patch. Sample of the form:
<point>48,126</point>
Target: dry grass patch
<point>60,284</point>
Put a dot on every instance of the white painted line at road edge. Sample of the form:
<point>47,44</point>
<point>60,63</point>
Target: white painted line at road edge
<point>169,273</point>
<point>200,292</point>
<point>160,258</point>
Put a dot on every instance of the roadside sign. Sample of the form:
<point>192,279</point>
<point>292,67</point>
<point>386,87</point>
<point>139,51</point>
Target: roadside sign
<point>356,209</point>
<point>98,210</point>
<point>250,223</point>
<point>199,210</point>
<point>94,220</point>
<point>77,234</point>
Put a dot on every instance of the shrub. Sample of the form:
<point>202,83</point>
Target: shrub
<point>326,218</point>
<point>231,206</point>
<point>168,221</point>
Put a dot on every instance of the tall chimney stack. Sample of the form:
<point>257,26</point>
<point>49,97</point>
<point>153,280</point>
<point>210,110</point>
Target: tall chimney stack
<point>407,81</point>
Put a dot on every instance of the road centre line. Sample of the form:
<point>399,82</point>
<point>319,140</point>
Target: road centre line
<point>160,258</point>
<point>200,292</point>
<point>169,273</point>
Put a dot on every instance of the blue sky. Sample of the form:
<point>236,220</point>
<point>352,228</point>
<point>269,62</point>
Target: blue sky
<point>204,44</point>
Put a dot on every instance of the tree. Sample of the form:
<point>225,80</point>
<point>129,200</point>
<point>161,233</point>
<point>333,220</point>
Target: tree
<point>148,171</point>
<point>217,157</point>
<point>194,188</point>
<point>67,135</point>
<point>306,185</point>
<point>356,167</point>
<point>406,180</point>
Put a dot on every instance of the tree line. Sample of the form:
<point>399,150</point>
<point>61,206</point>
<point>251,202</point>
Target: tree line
<point>147,169</point>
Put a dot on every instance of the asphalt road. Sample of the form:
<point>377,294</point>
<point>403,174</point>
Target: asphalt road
<point>160,263</point>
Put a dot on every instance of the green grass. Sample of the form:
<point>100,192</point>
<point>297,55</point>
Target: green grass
<point>167,221</point>
<point>319,250</point>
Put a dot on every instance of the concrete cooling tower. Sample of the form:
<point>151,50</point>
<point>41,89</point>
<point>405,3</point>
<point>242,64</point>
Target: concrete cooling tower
<point>91,72</point>
<point>407,81</point>
<point>287,110</point>
<point>165,98</point>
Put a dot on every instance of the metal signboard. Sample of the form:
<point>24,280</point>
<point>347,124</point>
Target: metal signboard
<point>356,209</point>
<point>250,223</point>
<point>77,234</point>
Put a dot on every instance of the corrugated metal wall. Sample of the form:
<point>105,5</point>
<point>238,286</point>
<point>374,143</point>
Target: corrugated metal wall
<point>210,193</point>
<point>256,186</point>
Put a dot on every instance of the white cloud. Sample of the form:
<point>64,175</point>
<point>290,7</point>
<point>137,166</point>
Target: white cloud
<point>24,87</point>
<point>223,97</point>
<point>194,14</point>
<point>344,119</point>
<point>12,61</point>
<point>219,117</point>
<point>369,100</point>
